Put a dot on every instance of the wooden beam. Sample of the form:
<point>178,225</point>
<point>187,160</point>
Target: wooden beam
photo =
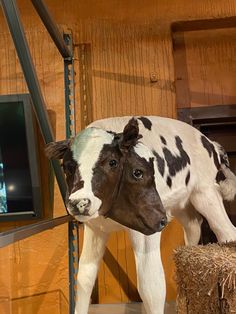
<point>204,24</point>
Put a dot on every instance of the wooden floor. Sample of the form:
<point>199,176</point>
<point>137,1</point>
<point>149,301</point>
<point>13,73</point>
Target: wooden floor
<point>130,308</point>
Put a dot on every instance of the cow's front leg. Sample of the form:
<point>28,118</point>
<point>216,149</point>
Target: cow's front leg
<point>151,278</point>
<point>93,249</point>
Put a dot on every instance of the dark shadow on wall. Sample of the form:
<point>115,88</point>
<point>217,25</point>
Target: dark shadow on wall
<point>117,271</point>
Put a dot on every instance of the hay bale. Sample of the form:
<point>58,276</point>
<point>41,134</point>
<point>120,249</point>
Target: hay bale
<point>206,279</point>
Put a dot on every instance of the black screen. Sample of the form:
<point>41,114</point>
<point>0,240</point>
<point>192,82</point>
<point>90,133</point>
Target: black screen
<point>15,180</point>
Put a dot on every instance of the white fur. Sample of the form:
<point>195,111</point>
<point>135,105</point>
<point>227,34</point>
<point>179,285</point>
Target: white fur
<point>86,149</point>
<point>150,273</point>
<point>202,196</point>
<point>228,187</point>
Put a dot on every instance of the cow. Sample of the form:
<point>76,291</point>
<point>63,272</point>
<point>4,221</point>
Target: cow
<point>137,173</point>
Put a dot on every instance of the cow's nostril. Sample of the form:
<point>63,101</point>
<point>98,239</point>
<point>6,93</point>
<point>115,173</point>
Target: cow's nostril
<point>83,204</point>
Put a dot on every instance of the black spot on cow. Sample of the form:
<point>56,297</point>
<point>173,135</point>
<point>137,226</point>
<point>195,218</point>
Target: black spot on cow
<point>187,178</point>
<point>117,136</point>
<point>111,132</point>
<point>169,182</point>
<point>160,163</point>
<point>211,150</point>
<point>176,163</point>
<point>163,140</point>
<point>220,176</point>
<point>207,145</point>
<point>224,157</point>
<point>146,122</point>
<point>224,160</point>
<point>71,170</point>
<point>216,160</point>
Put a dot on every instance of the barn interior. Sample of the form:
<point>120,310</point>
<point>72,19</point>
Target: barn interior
<point>103,59</point>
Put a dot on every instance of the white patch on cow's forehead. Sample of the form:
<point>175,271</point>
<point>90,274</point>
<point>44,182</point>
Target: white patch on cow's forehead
<point>90,140</point>
<point>143,151</point>
<point>86,149</point>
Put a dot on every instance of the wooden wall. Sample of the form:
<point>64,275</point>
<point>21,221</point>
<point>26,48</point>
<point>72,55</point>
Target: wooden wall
<point>206,67</point>
<point>131,47</point>
<point>34,272</point>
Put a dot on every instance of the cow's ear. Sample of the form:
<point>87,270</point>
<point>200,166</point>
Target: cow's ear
<point>130,134</point>
<point>56,150</point>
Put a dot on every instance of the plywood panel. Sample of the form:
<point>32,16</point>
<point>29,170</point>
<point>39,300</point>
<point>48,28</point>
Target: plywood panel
<point>34,275</point>
<point>158,12</point>
<point>210,57</point>
<point>124,58</point>
<point>5,283</point>
<point>117,277</point>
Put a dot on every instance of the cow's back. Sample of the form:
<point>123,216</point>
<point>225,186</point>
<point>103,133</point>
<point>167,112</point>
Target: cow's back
<point>183,158</point>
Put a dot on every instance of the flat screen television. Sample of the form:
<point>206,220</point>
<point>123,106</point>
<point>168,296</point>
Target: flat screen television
<point>20,191</point>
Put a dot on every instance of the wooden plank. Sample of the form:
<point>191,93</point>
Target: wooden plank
<point>212,114</point>
<point>181,72</point>
<point>124,58</point>
<point>203,24</point>
<point>204,62</point>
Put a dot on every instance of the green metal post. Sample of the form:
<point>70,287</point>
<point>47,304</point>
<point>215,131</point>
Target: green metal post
<point>70,132</point>
<point>51,27</point>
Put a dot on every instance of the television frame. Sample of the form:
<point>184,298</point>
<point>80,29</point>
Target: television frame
<point>32,148</point>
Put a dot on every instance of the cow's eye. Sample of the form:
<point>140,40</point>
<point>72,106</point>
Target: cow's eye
<point>113,163</point>
<point>138,174</point>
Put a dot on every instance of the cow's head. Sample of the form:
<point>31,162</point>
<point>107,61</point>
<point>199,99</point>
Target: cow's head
<point>112,175</point>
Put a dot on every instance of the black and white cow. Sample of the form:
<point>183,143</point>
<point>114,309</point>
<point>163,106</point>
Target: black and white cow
<point>134,172</point>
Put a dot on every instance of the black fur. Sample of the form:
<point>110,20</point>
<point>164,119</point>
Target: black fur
<point>211,150</point>
<point>179,162</point>
<point>146,122</point>
<point>160,163</point>
<point>169,182</point>
<point>163,140</point>
<point>220,176</point>
<point>187,178</point>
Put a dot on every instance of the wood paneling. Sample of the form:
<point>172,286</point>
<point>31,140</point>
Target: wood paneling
<point>85,84</point>
<point>211,66</point>
<point>124,57</point>
<point>130,44</point>
<point>205,65</point>
<point>34,275</point>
